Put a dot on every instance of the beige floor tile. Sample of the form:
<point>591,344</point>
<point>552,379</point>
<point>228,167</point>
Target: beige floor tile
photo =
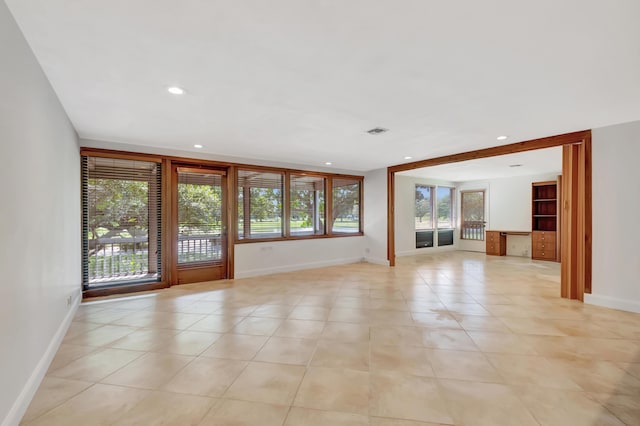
<point>51,393</point>
<point>334,389</point>
<point>302,329</point>
<point>599,376</point>
<point>345,332</point>
<point>380,421</point>
<point>98,405</point>
<point>533,326</point>
<point>333,354</point>
<point>381,316</point>
<point>631,368</point>
<point>146,339</point>
<point>206,377</point>
<point>216,323</point>
<point>560,407</point>
<point>315,313</point>
<point>100,336</point>
<point>189,343</point>
<point>485,404</point>
<point>96,365</point>
<point>457,340</point>
<point>407,360</point>
<point>532,370</point>
<point>359,316</point>
<point>308,417</point>
<point>236,346</point>
<point>579,356</point>
<point>407,397</point>
<point>435,320</point>
<point>625,407</point>
<point>167,409</point>
<point>285,350</point>
<point>272,311</point>
<point>150,371</point>
<point>78,327</point>
<point>481,323</point>
<point>67,353</point>
<point>244,413</point>
<point>257,326</point>
<point>507,343</point>
<point>269,383</point>
<point>471,366</point>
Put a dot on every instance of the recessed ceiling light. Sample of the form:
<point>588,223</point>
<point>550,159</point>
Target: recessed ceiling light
<point>198,146</point>
<point>501,138</point>
<point>408,157</point>
<point>175,90</point>
<point>328,163</point>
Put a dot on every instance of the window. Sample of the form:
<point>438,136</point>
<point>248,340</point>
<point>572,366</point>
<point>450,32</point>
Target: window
<point>345,212</point>
<point>444,200</point>
<point>424,207</point>
<point>307,205</point>
<point>260,204</point>
<point>121,214</point>
<point>199,216</point>
<point>472,206</point>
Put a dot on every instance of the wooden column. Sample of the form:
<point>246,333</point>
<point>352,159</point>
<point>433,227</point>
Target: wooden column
<point>576,220</point>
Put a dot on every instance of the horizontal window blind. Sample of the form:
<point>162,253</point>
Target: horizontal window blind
<point>260,198</point>
<point>307,205</point>
<point>121,212</point>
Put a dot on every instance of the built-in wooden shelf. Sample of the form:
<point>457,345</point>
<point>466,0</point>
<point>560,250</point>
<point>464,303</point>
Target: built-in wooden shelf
<point>544,223</point>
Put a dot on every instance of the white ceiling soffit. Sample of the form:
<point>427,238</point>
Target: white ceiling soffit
<point>538,162</point>
<point>302,81</point>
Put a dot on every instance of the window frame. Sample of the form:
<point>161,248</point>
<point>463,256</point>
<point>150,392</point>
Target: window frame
<point>484,215</point>
<point>286,206</point>
<point>432,193</point>
<point>452,217</point>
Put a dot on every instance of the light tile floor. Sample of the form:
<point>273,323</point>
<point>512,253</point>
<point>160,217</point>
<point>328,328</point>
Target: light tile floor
<point>454,338</point>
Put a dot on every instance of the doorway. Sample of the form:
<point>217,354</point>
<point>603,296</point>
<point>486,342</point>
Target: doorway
<point>199,224</point>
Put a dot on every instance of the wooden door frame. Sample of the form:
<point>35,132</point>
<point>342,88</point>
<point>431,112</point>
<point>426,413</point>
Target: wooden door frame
<point>576,195</point>
<point>172,223</point>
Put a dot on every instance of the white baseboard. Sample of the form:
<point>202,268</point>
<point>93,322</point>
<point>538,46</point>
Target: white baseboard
<point>376,261</point>
<point>21,404</point>
<point>612,302</point>
<point>297,267</point>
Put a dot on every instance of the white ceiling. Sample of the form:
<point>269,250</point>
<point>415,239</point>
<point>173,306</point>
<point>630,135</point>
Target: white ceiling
<point>539,162</point>
<point>301,81</point>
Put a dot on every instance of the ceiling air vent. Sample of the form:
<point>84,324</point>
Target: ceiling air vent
<point>377,131</point>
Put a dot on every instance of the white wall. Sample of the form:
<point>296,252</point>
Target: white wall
<point>253,259</point>
<point>39,222</point>
<point>405,232</point>
<point>508,208</point>
<point>616,211</point>
<point>375,216</point>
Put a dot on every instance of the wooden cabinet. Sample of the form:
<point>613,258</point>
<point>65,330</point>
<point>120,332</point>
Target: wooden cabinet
<point>496,243</point>
<point>544,220</point>
<point>543,245</point>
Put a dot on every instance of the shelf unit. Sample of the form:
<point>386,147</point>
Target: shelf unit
<point>545,220</point>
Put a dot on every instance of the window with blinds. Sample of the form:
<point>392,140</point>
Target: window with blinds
<point>121,221</point>
<point>346,197</point>
<point>199,216</point>
<point>307,205</point>
<point>260,198</point>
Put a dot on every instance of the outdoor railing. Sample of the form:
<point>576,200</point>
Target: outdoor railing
<point>199,248</point>
<point>472,230</point>
<point>118,258</point>
<point>121,258</point>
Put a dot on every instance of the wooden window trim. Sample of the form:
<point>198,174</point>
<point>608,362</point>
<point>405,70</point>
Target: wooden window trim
<point>484,210</point>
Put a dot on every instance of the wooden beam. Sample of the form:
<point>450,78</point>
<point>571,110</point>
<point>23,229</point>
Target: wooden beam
<point>559,140</point>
